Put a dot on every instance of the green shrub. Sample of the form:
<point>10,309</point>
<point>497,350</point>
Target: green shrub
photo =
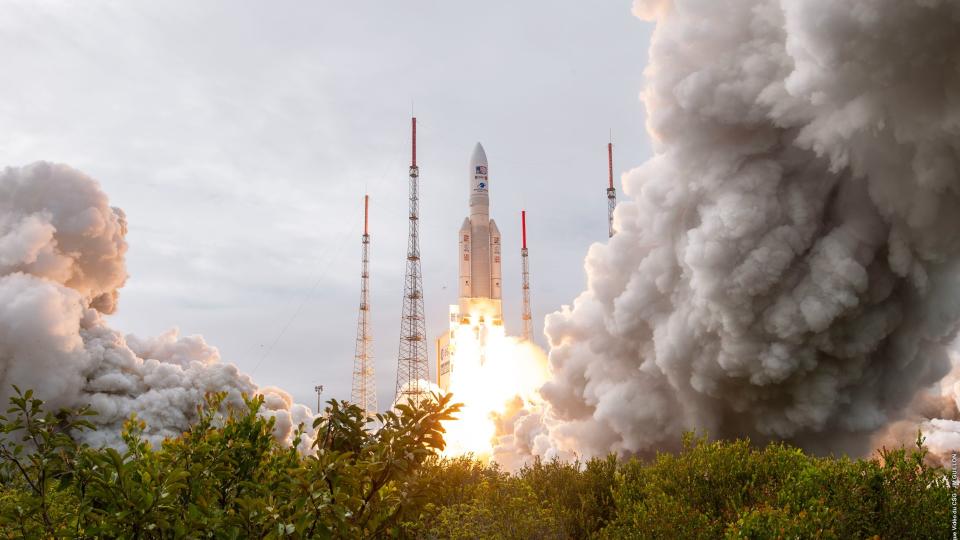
<point>579,495</point>
<point>226,477</point>
<point>506,509</point>
<point>712,489</point>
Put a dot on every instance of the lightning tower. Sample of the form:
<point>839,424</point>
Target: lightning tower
<point>525,266</point>
<point>611,191</point>
<point>412,367</point>
<point>364,391</point>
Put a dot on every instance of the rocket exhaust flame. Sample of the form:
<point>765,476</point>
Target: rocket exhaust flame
<point>491,372</point>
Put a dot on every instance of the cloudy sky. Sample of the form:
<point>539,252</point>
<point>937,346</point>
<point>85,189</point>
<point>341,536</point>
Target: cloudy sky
<point>239,137</point>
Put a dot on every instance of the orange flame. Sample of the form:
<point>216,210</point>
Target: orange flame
<point>491,371</point>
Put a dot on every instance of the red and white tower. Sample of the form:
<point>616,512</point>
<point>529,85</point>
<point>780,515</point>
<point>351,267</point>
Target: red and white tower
<point>364,390</point>
<point>611,191</point>
<point>525,267</point>
<point>412,368</point>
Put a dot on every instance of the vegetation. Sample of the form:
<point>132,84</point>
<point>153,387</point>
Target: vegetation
<point>227,478</point>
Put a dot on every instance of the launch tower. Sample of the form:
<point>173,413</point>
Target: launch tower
<point>364,390</point>
<point>525,267</point>
<point>412,368</point>
<point>611,191</point>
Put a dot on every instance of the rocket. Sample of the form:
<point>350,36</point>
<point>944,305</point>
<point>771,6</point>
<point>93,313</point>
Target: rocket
<point>479,306</point>
<point>480,275</point>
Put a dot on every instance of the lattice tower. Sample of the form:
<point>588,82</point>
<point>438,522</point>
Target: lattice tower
<point>412,368</point>
<point>364,390</point>
<point>525,266</point>
<point>611,191</point>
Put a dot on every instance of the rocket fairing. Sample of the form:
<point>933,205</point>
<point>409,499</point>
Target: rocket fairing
<point>480,275</point>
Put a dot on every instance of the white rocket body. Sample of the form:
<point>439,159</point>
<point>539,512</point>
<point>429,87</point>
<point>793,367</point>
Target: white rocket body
<point>479,306</point>
<point>480,245</point>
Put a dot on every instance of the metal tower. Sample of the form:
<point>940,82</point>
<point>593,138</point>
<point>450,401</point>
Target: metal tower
<point>364,392</point>
<point>525,265</point>
<point>611,191</point>
<point>412,367</point>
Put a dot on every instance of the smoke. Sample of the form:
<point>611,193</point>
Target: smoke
<point>74,239</point>
<point>786,264</point>
<point>61,266</point>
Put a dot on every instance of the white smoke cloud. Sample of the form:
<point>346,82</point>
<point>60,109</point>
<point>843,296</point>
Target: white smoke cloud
<point>786,265</point>
<point>61,265</point>
<point>74,239</point>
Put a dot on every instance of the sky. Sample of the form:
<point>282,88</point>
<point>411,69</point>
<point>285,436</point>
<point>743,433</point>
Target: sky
<point>239,137</point>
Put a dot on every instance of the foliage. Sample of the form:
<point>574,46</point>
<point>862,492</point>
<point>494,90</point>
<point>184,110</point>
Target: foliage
<point>226,477</point>
<point>507,508</point>
<point>579,494</point>
<point>734,490</point>
<point>38,456</point>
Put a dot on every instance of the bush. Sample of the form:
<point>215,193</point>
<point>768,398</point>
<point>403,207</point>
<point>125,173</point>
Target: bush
<point>579,495</point>
<point>712,489</point>
<point>226,477</point>
<point>503,509</point>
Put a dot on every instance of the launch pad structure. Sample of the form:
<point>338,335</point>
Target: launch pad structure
<point>527,334</point>
<point>363,392</point>
<point>611,191</point>
<point>413,371</point>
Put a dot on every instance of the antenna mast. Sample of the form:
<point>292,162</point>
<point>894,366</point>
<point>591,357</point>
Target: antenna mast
<point>412,368</point>
<point>364,391</point>
<point>525,265</point>
<point>611,191</point>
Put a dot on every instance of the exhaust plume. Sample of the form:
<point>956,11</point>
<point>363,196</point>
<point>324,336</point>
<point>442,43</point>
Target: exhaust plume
<point>61,266</point>
<point>786,265</point>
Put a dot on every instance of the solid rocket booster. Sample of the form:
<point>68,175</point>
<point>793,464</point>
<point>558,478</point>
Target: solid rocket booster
<point>479,240</point>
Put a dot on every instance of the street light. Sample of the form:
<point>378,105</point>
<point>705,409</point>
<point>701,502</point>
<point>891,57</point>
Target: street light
<point>319,389</point>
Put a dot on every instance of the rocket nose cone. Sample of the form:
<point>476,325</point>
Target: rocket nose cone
<point>479,157</point>
<point>479,181</point>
